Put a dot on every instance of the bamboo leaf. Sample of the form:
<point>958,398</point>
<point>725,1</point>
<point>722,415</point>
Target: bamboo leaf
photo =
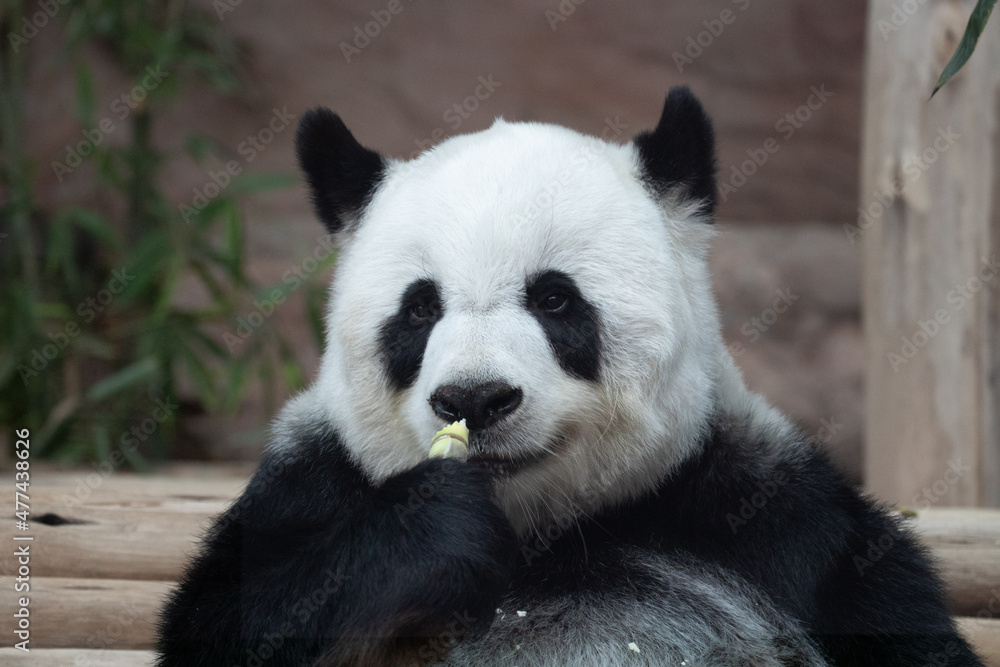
<point>125,378</point>
<point>102,441</point>
<point>165,298</point>
<point>96,226</point>
<point>236,385</point>
<point>215,288</point>
<point>198,146</point>
<point>146,337</point>
<point>95,346</point>
<point>146,264</point>
<point>85,95</point>
<point>292,374</point>
<point>973,30</point>
<point>52,310</point>
<point>211,345</point>
<point>8,366</point>
<point>60,417</point>
<point>206,215</point>
<point>59,252</point>
<point>135,459</point>
<point>261,182</point>
<point>200,376</point>
<point>234,242</point>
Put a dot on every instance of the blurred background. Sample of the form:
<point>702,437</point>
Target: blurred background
<point>163,274</point>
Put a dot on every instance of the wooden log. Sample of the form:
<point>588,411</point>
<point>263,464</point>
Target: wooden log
<point>86,483</point>
<point>928,226</point>
<point>76,657</point>
<point>134,527</point>
<point>108,616</point>
<point>87,613</point>
<point>984,635</point>
<point>122,528</point>
<point>966,545</point>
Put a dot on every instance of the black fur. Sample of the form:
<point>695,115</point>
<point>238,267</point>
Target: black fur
<point>314,561</point>
<point>428,553</point>
<point>403,337</point>
<point>681,150</point>
<point>794,529</point>
<point>342,174</point>
<point>574,332</point>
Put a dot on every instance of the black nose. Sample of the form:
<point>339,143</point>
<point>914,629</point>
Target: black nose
<point>480,405</point>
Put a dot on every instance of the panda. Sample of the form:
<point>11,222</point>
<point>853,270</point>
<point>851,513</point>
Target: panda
<point>551,289</point>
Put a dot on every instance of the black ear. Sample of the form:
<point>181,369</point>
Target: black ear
<point>342,174</point>
<point>681,150</point>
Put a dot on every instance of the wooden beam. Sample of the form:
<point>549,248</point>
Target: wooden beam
<point>928,225</point>
<point>966,545</point>
<point>123,528</point>
<point>76,657</point>
<point>87,613</point>
<point>984,635</point>
<point>105,620</point>
<point>147,528</point>
<point>131,527</point>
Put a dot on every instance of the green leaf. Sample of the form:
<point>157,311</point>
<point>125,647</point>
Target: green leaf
<point>146,263</point>
<point>85,95</point>
<point>150,336</point>
<point>261,182</point>
<point>292,374</point>
<point>209,344</point>
<point>95,346</point>
<point>165,298</point>
<point>102,441</point>
<point>200,375</point>
<point>8,366</point>
<point>236,384</point>
<point>215,288</point>
<point>60,252</point>
<point>127,377</point>
<point>95,225</point>
<point>52,310</point>
<point>61,416</point>
<point>199,146</point>
<point>233,250</point>
<point>968,44</point>
<point>206,215</point>
<point>135,459</point>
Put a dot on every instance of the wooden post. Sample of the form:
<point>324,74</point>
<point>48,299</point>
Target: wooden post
<point>928,224</point>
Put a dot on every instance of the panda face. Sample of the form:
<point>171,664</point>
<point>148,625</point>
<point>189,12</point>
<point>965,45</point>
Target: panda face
<point>535,282</point>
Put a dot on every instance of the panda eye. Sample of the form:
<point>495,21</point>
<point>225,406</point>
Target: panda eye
<point>554,302</point>
<point>424,310</point>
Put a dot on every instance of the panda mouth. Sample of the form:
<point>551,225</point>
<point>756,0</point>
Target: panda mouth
<point>496,456</point>
<point>505,466</point>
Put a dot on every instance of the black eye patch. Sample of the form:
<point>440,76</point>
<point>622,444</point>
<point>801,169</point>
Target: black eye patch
<point>570,322</point>
<point>403,337</point>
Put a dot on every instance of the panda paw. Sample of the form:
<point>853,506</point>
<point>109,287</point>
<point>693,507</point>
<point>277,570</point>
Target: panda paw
<point>458,540</point>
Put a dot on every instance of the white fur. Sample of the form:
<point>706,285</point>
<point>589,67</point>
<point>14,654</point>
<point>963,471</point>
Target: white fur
<point>698,617</point>
<point>479,214</point>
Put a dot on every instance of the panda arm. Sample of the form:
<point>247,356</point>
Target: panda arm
<point>882,601</point>
<point>845,568</point>
<point>312,560</point>
<point>864,587</point>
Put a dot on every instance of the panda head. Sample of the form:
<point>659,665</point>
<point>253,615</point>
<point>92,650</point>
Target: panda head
<point>546,286</point>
